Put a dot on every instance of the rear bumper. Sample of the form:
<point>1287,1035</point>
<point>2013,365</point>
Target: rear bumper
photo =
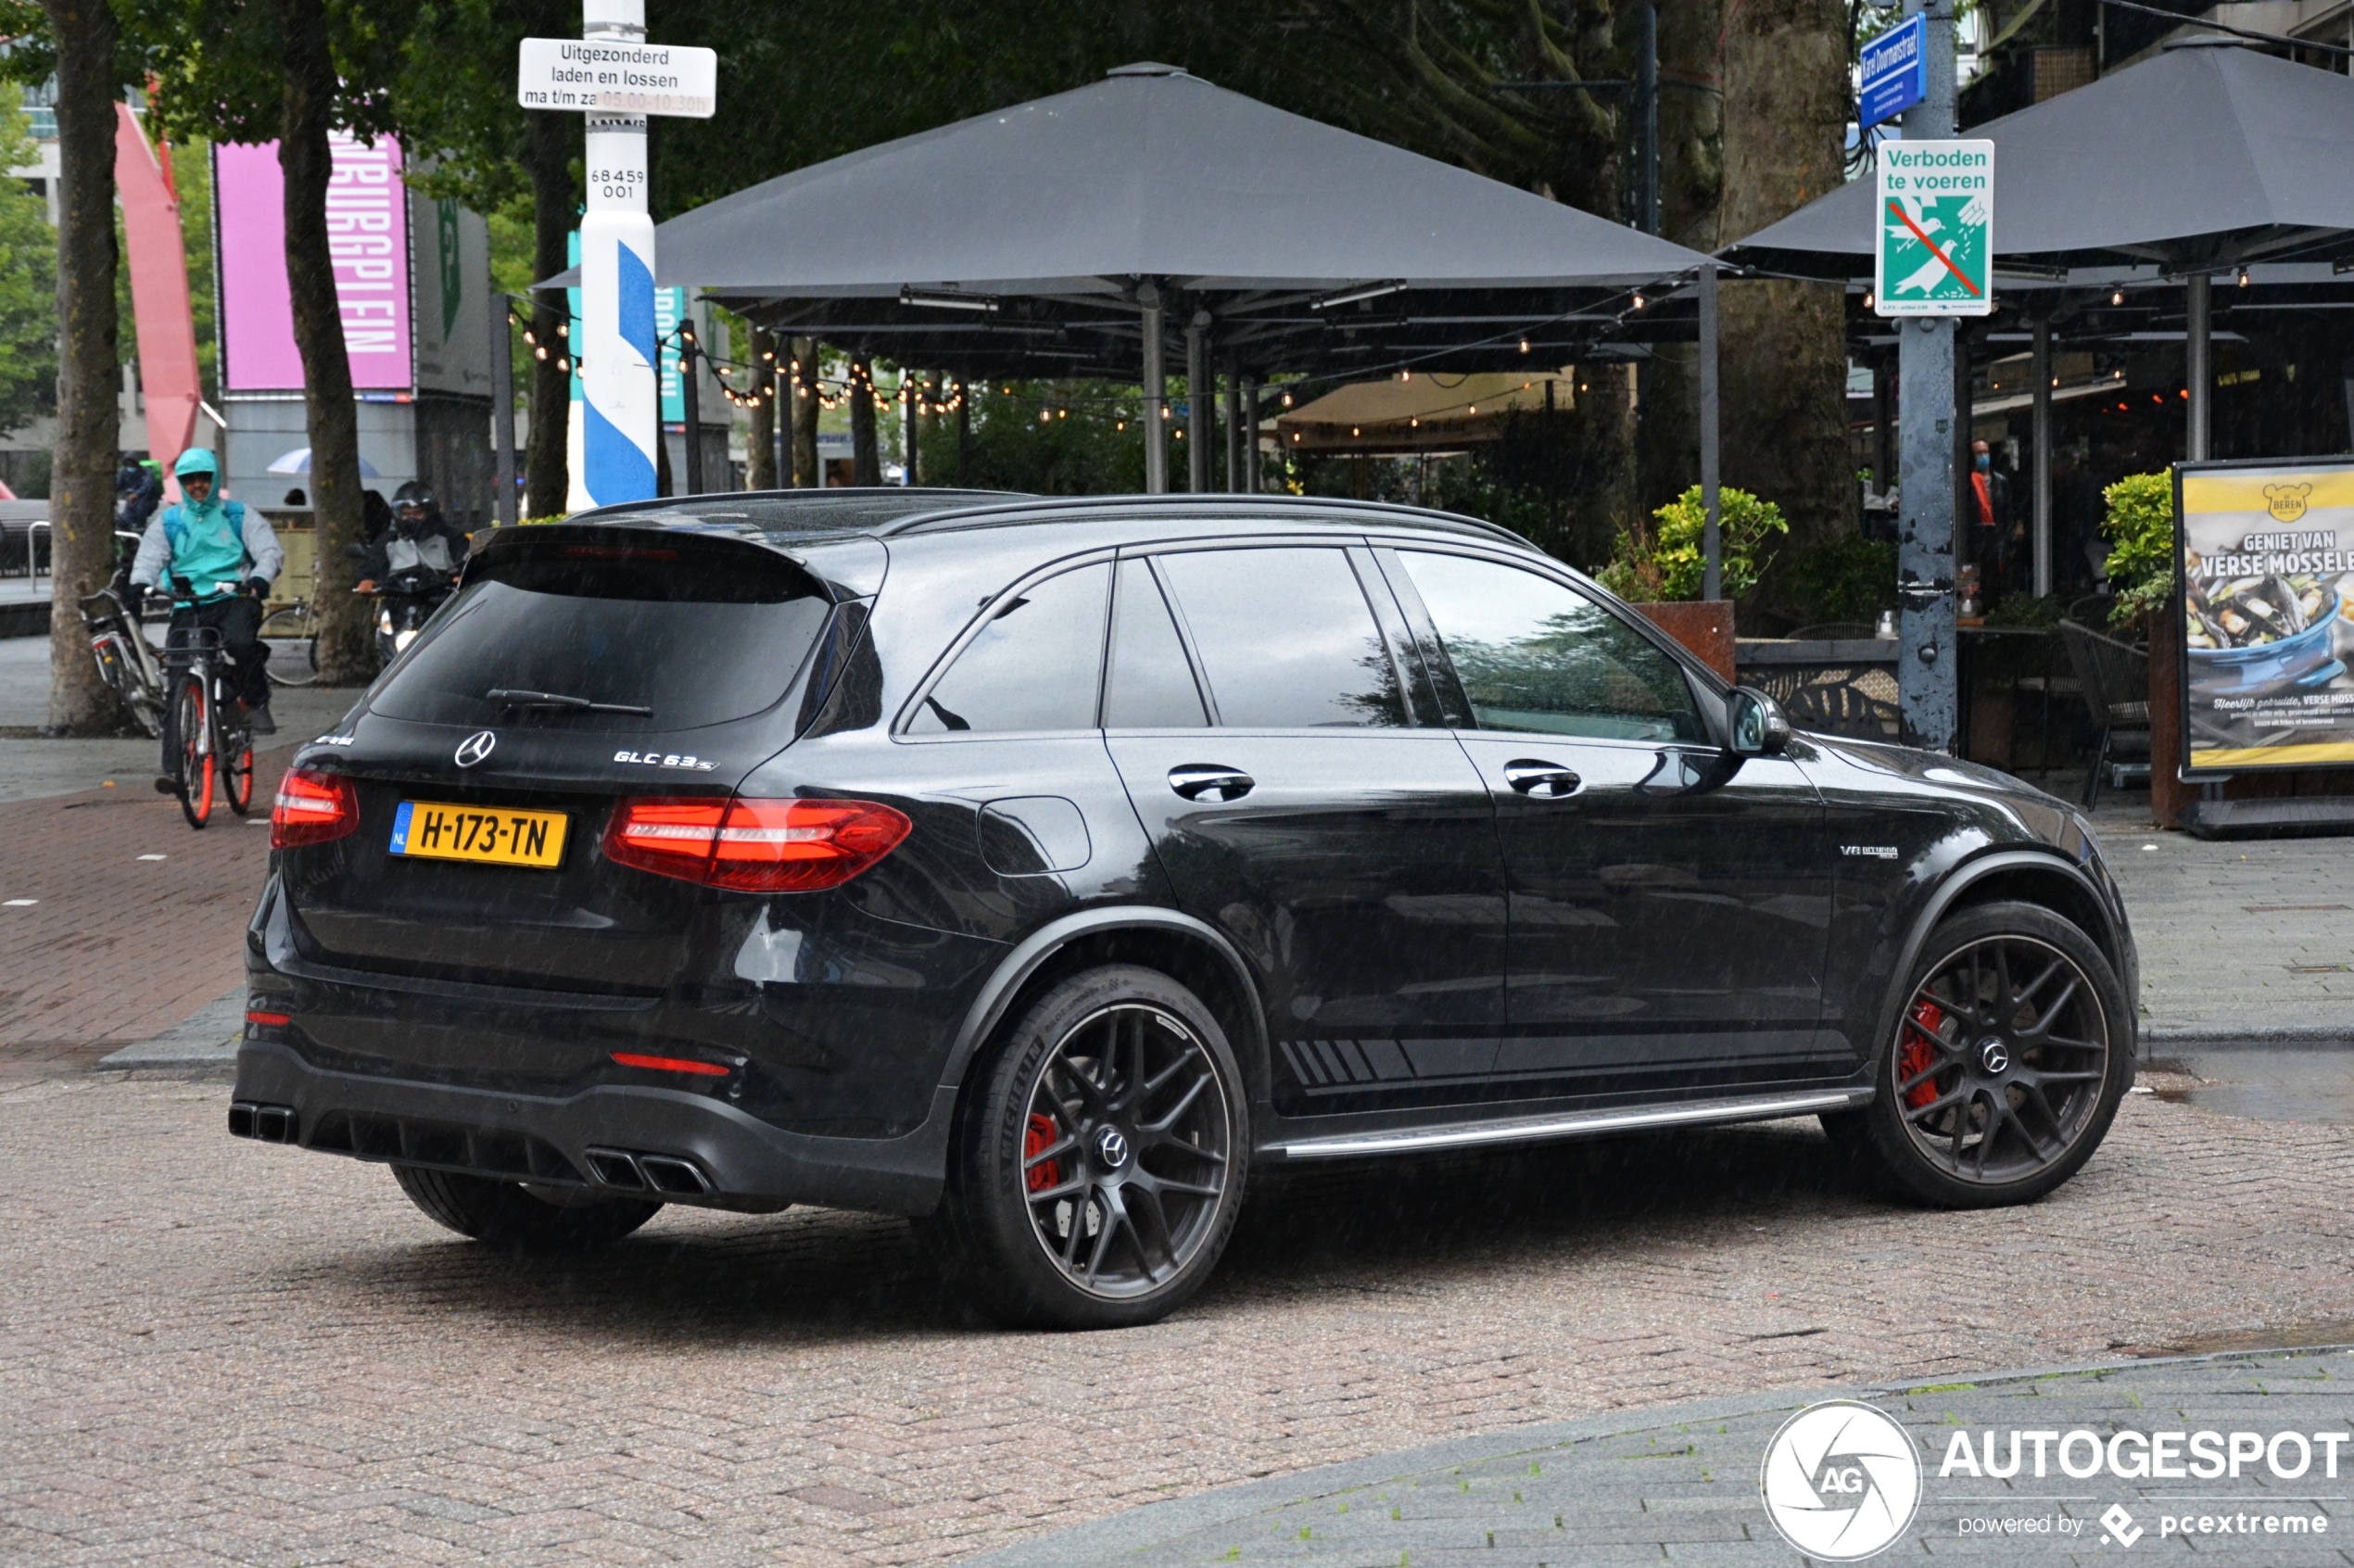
<point>594,1140</point>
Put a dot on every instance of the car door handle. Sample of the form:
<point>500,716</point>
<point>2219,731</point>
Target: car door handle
<point>1210,781</point>
<point>1546,780</point>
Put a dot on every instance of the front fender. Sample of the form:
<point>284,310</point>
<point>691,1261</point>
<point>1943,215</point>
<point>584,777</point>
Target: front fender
<point>2111,936</point>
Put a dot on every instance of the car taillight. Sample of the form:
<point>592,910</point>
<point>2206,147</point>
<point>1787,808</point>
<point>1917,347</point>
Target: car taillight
<point>754,846</point>
<point>312,808</point>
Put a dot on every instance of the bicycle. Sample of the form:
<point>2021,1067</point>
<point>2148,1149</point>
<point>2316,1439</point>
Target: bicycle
<point>294,624</point>
<point>202,747</point>
<point>126,660</point>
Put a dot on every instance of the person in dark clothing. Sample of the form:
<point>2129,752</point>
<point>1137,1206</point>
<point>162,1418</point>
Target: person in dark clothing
<point>419,536</point>
<point>138,490</point>
<point>375,514</point>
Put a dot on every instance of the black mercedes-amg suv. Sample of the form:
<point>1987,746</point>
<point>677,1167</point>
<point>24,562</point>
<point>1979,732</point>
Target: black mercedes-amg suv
<point>1039,868</point>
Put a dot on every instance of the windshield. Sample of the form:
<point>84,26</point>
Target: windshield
<point>670,663</point>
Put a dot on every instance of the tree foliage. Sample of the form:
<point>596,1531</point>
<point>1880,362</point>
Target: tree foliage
<point>28,285</point>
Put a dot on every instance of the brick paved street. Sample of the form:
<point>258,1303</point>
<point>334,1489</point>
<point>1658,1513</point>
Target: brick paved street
<point>213,1350</point>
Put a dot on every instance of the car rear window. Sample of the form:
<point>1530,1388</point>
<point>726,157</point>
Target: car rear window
<point>697,642</point>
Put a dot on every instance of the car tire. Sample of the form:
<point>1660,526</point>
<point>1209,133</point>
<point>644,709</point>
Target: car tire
<point>1099,1160</point>
<point>2012,1047</point>
<point>507,1214</point>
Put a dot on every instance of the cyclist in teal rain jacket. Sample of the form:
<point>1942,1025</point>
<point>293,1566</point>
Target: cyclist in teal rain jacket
<point>225,556</point>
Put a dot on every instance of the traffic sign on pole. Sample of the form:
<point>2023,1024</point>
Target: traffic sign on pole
<point>1895,72</point>
<point>614,77</point>
<point>1935,220</point>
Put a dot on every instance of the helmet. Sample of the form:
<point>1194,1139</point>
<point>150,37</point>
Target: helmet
<point>198,460</point>
<point>416,493</point>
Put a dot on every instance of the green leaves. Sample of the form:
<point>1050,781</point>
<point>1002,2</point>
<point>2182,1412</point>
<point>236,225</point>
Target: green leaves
<point>2140,529</point>
<point>1665,562</point>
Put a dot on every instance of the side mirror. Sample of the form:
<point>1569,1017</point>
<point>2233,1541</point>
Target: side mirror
<point>1756,723</point>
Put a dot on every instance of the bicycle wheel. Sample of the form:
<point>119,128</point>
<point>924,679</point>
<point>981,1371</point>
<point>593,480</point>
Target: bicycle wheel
<point>293,642</point>
<point>192,753</point>
<point>234,745</point>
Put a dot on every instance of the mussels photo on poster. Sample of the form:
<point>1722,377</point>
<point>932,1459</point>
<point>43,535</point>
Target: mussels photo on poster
<point>2265,554</point>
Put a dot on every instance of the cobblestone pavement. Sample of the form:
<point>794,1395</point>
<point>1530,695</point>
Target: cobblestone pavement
<point>1681,1484</point>
<point>2241,939</point>
<point>213,1350</point>
<point>117,919</point>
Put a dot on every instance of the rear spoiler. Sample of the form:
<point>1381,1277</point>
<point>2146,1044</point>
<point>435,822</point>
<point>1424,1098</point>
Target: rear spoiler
<point>838,571</point>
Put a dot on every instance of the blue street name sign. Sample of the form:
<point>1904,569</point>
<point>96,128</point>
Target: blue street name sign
<point>1895,72</point>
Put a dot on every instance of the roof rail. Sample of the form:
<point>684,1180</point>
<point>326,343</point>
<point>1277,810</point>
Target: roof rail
<point>1046,509</point>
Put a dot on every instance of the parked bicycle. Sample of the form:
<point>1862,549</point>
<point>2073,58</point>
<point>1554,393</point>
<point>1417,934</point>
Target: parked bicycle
<point>126,660</point>
<point>291,633</point>
<point>207,747</point>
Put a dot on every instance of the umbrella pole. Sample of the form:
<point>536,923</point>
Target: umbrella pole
<point>1711,535</point>
<point>1156,397</point>
<point>2198,376</point>
<point>1201,403</point>
<point>1235,432</point>
<point>2041,427</point>
<point>1250,484</point>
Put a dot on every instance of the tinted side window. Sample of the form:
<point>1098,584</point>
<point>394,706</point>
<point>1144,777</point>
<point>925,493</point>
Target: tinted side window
<point>1285,638</point>
<point>1534,655</point>
<point>1151,685</point>
<point>1034,666</point>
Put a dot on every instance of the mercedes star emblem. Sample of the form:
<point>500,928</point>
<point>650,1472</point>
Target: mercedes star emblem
<point>1111,1148</point>
<point>476,747</point>
<point>1995,1054</point>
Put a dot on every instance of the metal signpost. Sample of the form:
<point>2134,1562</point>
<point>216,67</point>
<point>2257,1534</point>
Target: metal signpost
<point>1935,247</point>
<point>614,77</point>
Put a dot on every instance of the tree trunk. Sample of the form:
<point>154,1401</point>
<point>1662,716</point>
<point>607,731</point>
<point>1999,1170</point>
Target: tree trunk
<point>547,464</point>
<point>1785,343</point>
<point>1691,193</point>
<point>805,475</point>
<point>347,655</point>
<point>760,437</point>
<point>866,458</point>
<point>82,470</point>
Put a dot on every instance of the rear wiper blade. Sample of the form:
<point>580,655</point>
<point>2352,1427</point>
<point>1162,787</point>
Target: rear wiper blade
<point>506,698</point>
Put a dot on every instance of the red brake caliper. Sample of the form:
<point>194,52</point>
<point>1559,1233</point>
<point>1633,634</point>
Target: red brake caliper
<point>1919,1056</point>
<point>1039,1136</point>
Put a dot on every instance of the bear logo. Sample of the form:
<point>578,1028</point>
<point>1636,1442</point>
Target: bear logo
<point>2287,501</point>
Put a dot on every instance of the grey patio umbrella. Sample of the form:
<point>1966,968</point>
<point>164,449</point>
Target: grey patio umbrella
<point>2209,154</point>
<point>1075,234</point>
<point>2209,158</point>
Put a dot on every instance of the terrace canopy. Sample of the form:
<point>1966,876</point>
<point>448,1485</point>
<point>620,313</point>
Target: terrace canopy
<point>1088,233</point>
<point>2209,158</point>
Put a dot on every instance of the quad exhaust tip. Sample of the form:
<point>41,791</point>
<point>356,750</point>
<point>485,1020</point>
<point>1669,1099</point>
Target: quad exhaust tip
<point>268,1124</point>
<point>664,1175</point>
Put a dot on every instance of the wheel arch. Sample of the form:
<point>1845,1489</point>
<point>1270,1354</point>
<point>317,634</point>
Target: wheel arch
<point>1177,945</point>
<point>2025,877</point>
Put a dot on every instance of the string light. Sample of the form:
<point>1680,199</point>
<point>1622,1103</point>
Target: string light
<point>2117,296</point>
<point>1524,346</point>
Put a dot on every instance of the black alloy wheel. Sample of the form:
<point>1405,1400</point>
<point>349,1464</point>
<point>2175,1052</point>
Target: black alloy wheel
<point>1101,1175</point>
<point>2011,1052</point>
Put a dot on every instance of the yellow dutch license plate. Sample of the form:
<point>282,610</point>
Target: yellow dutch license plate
<point>487,836</point>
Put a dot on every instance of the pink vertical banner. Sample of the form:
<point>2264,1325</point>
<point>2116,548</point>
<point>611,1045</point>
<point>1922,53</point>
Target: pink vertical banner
<point>367,235</point>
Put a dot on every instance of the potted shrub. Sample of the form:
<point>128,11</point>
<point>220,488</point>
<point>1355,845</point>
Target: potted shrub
<point>1655,564</point>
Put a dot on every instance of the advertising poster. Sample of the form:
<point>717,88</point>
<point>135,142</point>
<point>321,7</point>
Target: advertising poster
<point>368,235</point>
<point>2266,557</point>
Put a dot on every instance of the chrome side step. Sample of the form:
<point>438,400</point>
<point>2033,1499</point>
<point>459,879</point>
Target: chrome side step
<point>1530,1130</point>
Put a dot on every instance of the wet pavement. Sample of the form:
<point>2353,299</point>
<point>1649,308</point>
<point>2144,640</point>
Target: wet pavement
<point>1692,1483</point>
